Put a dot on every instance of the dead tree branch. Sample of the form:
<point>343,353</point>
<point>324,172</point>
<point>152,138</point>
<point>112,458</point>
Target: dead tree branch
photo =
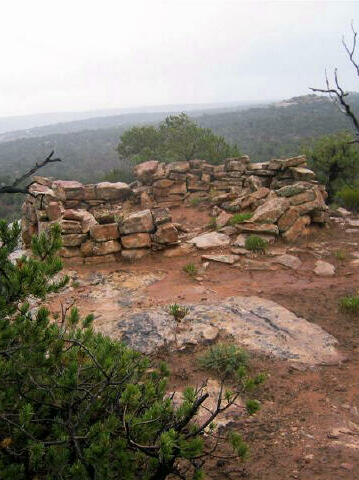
<point>14,188</point>
<point>336,92</point>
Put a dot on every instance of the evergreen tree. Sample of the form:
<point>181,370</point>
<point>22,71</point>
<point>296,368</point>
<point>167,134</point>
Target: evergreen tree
<point>75,404</point>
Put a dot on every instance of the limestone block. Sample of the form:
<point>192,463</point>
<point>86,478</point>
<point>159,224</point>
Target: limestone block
<point>271,210</point>
<point>288,218</point>
<point>300,173</point>
<point>298,228</point>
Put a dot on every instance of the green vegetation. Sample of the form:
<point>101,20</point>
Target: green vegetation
<point>333,159</point>
<point>178,311</point>
<point>348,197</point>
<point>224,359</point>
<point>190,269</point>
<point>176,138</point>
<point>256,244</point>
<point>239,218</point>
<point>76,404</point>
<point>350,304</point>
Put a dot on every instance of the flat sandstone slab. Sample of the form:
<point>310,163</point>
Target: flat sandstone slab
<point>255,323</point>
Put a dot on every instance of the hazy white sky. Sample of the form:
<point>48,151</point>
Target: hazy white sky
<point>67,55</point>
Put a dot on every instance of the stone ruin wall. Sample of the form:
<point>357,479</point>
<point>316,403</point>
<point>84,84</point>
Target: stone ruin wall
<point>109,221</point>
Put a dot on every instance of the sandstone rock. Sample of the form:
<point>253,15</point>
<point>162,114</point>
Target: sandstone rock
<point>145,200</point>
<point>353,223</point>
<point>134,254</point>
<point>145,171</point>
<point>228,230</point>
<point>230,259</point>
<point>161,215</point>
<point>46,181</point>
<point>68,190</point>
<point>252,199</point>
<point>70,226</point>
<point>73,239</point>
<point>318,216</point>
<point>342,212</point>
<point>236,163</point>
<point>41,216</point>
<point>90,192</point>
<point>222,219</point>
<point>298,228</point>
<point>275,164</point>
<point>210,240</point>
<point>179,167</point>
<point>240,241</point>
<point>106,214</point>
<point>104,248</point>
<point>54,210</point>
<point>102,233</point>
<point>307,196</point>
<point>250,227</point>
<point>113,191</point>
<point>69,252</point>
<point>288,218</point>
<point>239,251</point>
<point>137,222</point>
<point>166,234</point>
<point>289,261</point>
<point>259,265</point>
<point>291,190</point>
<point>87,219</point>
<point>136,240</point>
<point>178,188</point>
<point>197,186</point>
<point>27,231</point>
<point>87,248</point>
<point>101,259</point>
<point>180,251</point>
<point>294,161</point>
<point>271,210</point>
<point>324,269</point>
<point>163,183</point>
<point>300,173</point>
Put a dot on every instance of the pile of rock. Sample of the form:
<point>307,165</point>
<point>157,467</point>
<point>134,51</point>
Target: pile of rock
<point>94,225</point>
<point>102,221</point>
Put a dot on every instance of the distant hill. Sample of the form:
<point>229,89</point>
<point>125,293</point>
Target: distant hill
<point>88,147</point>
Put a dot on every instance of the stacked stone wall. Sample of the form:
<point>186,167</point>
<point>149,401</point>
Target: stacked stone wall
<point>107,221</point>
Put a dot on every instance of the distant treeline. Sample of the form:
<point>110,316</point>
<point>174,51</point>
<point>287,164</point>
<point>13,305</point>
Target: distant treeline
<point>262,133</point>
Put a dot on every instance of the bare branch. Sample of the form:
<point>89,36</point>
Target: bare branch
<point>13,188</point>
<point>351,51</point>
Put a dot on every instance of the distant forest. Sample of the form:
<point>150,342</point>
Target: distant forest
<point>262,132</point>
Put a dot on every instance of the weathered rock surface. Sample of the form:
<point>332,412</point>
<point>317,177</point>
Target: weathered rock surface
<point>324,269</point>
<point>113,191</point>
<point>137,222</point>
<point>136,240</point>
<point>104,248</point>
<point>230,259</point>
<point>253,322</point>
<point>271,210</point>
<point>210,240</point>
<point>102,233</point>
<point>166,234</point>
<point>289,261</point>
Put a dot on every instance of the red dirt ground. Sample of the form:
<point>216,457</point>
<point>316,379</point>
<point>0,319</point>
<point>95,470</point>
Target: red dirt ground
<point>290,436</point>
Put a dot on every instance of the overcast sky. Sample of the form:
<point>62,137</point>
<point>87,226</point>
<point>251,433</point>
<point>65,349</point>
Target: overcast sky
<point>70,55</point>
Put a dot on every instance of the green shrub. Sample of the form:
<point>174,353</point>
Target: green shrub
<point>190,269</point>
<point>350,304</point>
<point>178,311</point>
<point>348,197</point>
<point>256,244</point>
<point>224,359</point>
<point>239,218</point>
